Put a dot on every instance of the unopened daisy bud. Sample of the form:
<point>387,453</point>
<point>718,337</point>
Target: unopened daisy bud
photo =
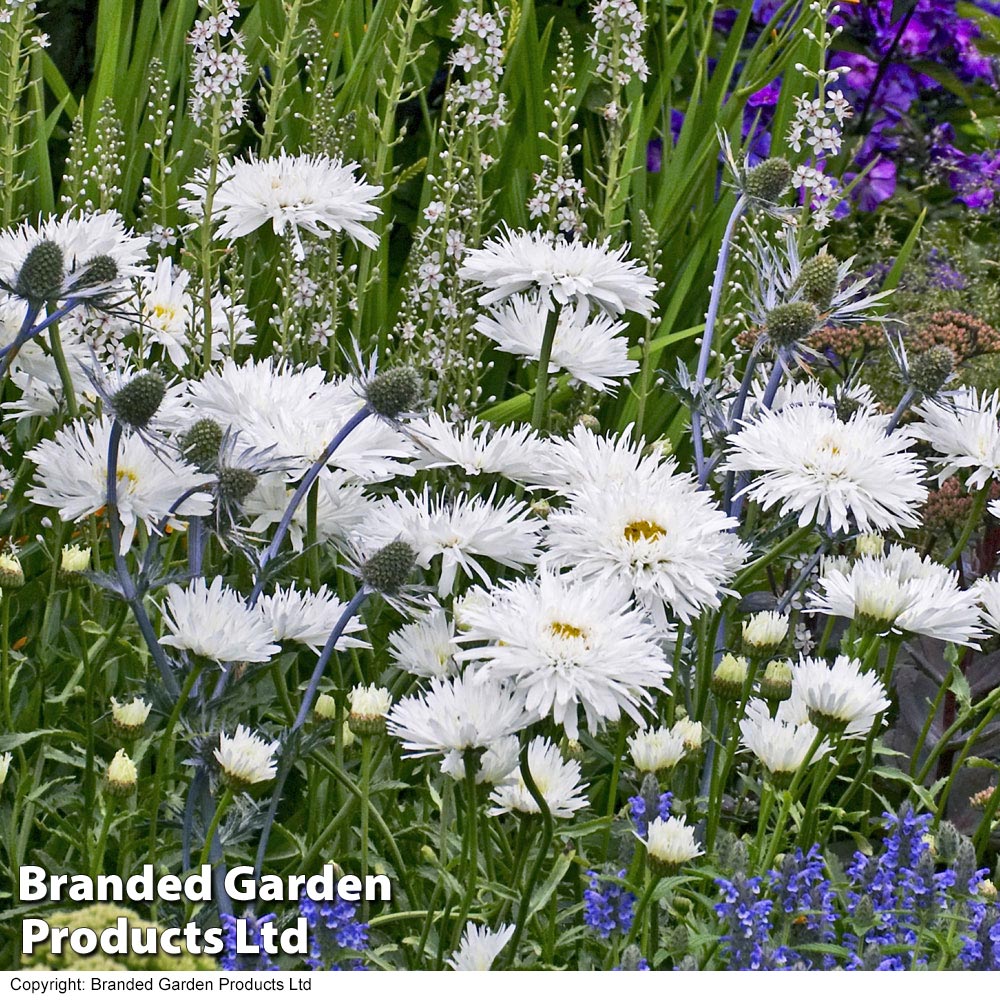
<point>589,422</point>
<point>931,369</point>
<point>769,180</point>
<point>654,750</point>
<point>389,568</point>
<point>5,759</point>
<point>102,270</point>
<point>325,709</point>
<point>730,676</point>
<point>662,446</point>
<point>235,485</point>
<point>869,545</point>
<point>669,844</point>
<point>41,276</point>
<point>571,749</point>
<point>764,632</point>
<point>791,322</point>
<point>369,707</point>
<point>776,684</point>
<point>347,737</point>
<point>129,717</point>
<point>201,442</point>
<point>690,732</point>
<point>394,391</point>
<point>136,402</point>
<point>541,508</point>
<point>74,562</point>
<point>11,573</point>
<point>987,890</point>
<point>818,280</point>
<point>948,841</point>
<point>122,777</point>
<point>245,759</point>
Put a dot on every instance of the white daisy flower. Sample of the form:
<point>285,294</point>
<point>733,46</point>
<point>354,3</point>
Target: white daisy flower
<point>479,947</point>
<point>426,647</point>
<point>456,713</point>
<point>296,412</point>
<point>513,451</point>
<point>573,273</point>
<point>212,620</point>
<point>72,477</point>
<point>568,644</point>
<point>370,705</point>
<point>657,749</point>
<point>557,780</point>
<point>311,192</point>
<point>583,458</point>
<point>81,238</point>
<point>671,843</point>
<point>780,745</point>
<point>497,761</point>
<point>246,758</point>
<point>901,592</point>
<point>341,507</point>
<point>807,460</point>
<point>838,697</point>
<point>690,732</point>
<point>987,593</point>
<point>309,618</point>
<point>165,310</point>
<point>591,350</point>
<point>965,432</point>
<point>122,775</point>
<point>663,538</point>
<point>460,531</point>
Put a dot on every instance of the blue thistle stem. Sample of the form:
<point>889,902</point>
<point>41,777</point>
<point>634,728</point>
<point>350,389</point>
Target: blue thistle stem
<point>300,494</point>
<point>711,317</point>
<point>285,765</point>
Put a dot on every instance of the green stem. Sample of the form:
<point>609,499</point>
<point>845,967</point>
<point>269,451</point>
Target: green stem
<point>98,859</point>
<point>471,866</point>
<point>542,383</point>
<point>366,773</point>
<point>975,516</point>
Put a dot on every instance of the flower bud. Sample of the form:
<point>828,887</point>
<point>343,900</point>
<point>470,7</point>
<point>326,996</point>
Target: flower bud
<point>388,569</point>
<point>369,707</point>
<point>235,484</point>
<point>5,759</point>
<point>819,280</point>
<point>589,421</point>
<point>325,709</point>
<point>11,573</point>
<point>987,890</point>
<point>541,508</point>
<point>41,276</point>
<point>96,272</point>
<point>764,632</point>
<point>776,684</point>
<point>74,562</point>
<point>791,322</point>
<point>869,545</point>
<point>136,402</point>
<point>931,369</point>
<point>690,732</point>
<point>769,180</point>
<point>121,775</point>
<point>129,717</point>
<point>948,840</point>
<point>394,391</point>
<point>730,676</point>
<point>201,442</point>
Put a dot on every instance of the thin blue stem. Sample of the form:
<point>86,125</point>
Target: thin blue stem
<point>708,337</point>
<point>901,408</point>
<point>121,568</point>
<point>285,766</point>
<point>300,494</point>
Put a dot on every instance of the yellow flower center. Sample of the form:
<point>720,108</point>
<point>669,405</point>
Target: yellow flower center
<point>643,530</point>
<point>167,313</point>
<point>566,631</point>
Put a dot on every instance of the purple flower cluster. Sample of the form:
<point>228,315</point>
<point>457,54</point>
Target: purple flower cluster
<point>608,907</point>
<point>646,806</point>
<point>332,929</point>
<point>232,961</point>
